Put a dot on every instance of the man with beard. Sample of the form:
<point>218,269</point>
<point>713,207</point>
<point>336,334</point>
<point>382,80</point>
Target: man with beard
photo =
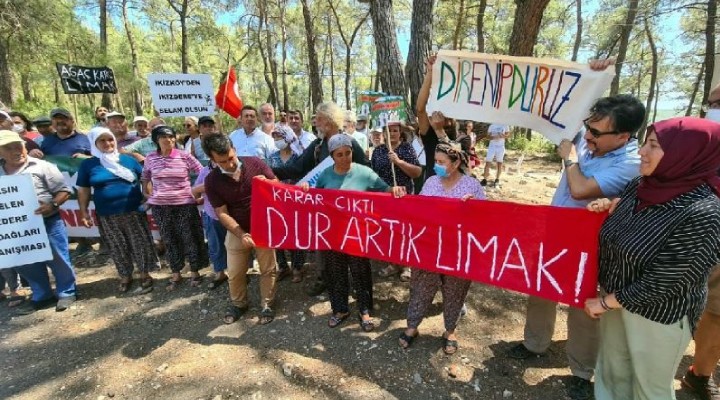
<point>66,141</point>
<point>140,124</point>
<point>267,118</point>
<point>118,126</point>
<point>100,115</point>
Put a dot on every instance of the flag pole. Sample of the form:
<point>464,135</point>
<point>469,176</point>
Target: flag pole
<point>392,165</point>
<point>227,81</point>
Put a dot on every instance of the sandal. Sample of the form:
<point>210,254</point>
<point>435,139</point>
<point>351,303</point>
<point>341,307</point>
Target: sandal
<point>282,274</point>
<point>406,275</point>
<point>14,301</point>
<point>267,315</point>
<point>233,313</point>
<point>173,284</point>
<point>337,319</point>
<point>195,281</point>
<point>124,286</point>
<point>366,325</point>
<point>450,347</point>
<point>297,276</point>
<point>407,341</point>
<point>216,283</point>
<point>146,284</point>
<point>388,271</point>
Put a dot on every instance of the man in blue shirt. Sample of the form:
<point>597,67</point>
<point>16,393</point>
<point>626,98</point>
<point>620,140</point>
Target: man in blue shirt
<point>66,141</point>
<point>599,163</point>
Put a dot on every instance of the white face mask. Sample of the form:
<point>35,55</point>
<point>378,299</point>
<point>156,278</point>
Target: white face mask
<point>281,144</point>
<point>713,114</point>
<point>18,128</point>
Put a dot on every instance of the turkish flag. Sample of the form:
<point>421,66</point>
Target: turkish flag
<point>227,97</point>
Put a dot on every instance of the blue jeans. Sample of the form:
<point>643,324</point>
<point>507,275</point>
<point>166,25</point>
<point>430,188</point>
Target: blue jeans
<point>215,234</point>
<point>37,275</point>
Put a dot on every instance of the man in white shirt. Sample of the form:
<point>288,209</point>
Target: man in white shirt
<point>361,126</point>
<point>267,118</point>
<point>349,127</point>
<point>255,143</point>
<point>496,151</point>
<point>295,122</point>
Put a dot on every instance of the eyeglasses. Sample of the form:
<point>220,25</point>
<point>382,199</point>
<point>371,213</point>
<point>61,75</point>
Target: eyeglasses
<point>710,104</point>
<point>596,133</point>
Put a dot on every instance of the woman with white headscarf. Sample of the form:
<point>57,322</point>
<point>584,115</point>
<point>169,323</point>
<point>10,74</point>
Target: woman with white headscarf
<point>121,219</point>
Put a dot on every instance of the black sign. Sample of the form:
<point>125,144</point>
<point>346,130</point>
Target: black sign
<point>77,79</point>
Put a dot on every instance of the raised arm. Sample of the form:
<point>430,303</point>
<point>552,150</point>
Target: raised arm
<point>423,96</point>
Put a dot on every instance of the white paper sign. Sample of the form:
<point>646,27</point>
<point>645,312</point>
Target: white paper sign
<point>549,96</point>
<point>23,239</point>
<point>182,95</point>
<point>311,177</point>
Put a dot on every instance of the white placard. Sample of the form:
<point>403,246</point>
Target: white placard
<point>549,96</point>
<point>23,239</point>
<point>182,95</point>
<point>311,177</point>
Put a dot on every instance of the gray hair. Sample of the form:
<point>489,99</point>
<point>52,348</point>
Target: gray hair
<point>331,111</point>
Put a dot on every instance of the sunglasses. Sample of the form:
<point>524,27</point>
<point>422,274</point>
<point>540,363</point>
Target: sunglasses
<point>596,133</point>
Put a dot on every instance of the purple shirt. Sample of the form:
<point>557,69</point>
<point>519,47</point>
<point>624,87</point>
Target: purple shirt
<point>207,207</point>
<point>466,185</point>
<point>170,177</point>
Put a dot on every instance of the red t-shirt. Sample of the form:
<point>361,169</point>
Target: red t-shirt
<point>222,190</point>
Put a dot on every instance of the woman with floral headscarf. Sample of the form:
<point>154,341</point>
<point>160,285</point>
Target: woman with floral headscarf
<point>115,182</point>
<point>656,251</point>
<point>451,181</point>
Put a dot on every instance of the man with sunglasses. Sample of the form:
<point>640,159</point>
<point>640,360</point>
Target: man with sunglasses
<point>599,163</point>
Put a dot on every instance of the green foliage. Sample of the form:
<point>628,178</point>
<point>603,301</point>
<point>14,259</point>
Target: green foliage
<point>537,144</point>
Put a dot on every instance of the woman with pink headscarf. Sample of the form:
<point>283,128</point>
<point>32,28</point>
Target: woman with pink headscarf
<point>657,249</point>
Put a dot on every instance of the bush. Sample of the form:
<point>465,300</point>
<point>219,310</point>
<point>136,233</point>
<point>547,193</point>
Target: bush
<point>537,144</point>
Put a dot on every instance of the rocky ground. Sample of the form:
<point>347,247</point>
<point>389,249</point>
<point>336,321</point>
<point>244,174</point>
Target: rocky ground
<point>175,346</point>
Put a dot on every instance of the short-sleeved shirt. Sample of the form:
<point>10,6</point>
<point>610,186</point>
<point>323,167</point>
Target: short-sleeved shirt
<point>496,133</point>
<point>143,147</point>
<point>466,185</point>
<point>128,140</point>
<point>304,140</point>
<point>47,178</point>
<point>222,190</point>
<point>200,180</point>
<point>112,195</point>
<point>170,177</point>
<point>360,178</point>
<point>53,145</point>
<point>381,164</point>
<point>196,149</point>
<point>612,172</point>
<point>257,144</point>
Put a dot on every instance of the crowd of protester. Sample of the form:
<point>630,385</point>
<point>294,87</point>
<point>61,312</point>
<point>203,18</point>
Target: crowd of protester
<point>657,286</point>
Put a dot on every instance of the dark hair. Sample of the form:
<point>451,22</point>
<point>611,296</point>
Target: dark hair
<point>248,107</point>
<point>161,130</point>
<point>23,117</point>
<point>626,112</point>
<point>298,112</point>
<point>454,152</point>
<point>217,143</point>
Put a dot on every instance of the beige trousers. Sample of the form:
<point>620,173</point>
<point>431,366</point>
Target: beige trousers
<point>238,256</point>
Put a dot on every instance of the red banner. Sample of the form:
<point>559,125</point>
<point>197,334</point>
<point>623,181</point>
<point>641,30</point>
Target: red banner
<point>550,252</point>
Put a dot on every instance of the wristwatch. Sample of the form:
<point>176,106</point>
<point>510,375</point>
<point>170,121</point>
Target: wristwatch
<point>55,204</point>
<point>568,163</point>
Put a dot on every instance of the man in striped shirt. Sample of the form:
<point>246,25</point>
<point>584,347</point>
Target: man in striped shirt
<point>598,163</point>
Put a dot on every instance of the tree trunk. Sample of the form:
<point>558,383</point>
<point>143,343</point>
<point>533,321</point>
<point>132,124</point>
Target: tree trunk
<point>137,96</point>
<point>622,49</point>
<point>330,51</point>
<point>696,88</point>
<point>709,49</point>
<point>106,100</point>
<point>526,26</point>
<point>348,49</point>
<point>272,61</point>
<point>390,60</point>
<point>657,96</point>
<point>283,37</point>
<point>25,85</point>
<point>480,24</point>
<point>272,98</point>
<point>653,79</point>
<point>579,30</point>
<point>315,81</point>
<point>420,46</point>
<point>458,24</point>
<point>56,90</point>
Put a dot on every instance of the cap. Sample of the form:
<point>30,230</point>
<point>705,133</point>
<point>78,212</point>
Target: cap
<point>140,118</point>
<point>114,114</point>
<point>60,111</point>
<point>377,130</point>
<point>362,117</point>
<point>339,140</point>
<point>7,137</point>
<point>4,114</point>
<point>206,120</point>
<point>40,121</point>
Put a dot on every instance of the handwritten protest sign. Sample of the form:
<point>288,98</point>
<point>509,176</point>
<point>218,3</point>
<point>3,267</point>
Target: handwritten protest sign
<point>536,250</point>
<point>365,99</point>
<point>388,109</point>
<point>312,176</point>
<point>23,239</point>
<point>181,95</point>
<point>77,79</point>
<point>549,96</point>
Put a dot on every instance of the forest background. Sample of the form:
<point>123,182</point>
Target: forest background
<point>297,53</point>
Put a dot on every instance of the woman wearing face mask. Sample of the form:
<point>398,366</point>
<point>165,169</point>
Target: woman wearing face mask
<point>657,249</point>
<point>347,175</point>
<point>166,181</point>
<point>114,179</point>
<point>23,127</point>
<point>399,156</point>
<point>284,137</point>
<point>449,181</point>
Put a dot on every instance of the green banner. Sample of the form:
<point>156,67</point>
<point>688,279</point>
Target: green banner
<point>388,109</point>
